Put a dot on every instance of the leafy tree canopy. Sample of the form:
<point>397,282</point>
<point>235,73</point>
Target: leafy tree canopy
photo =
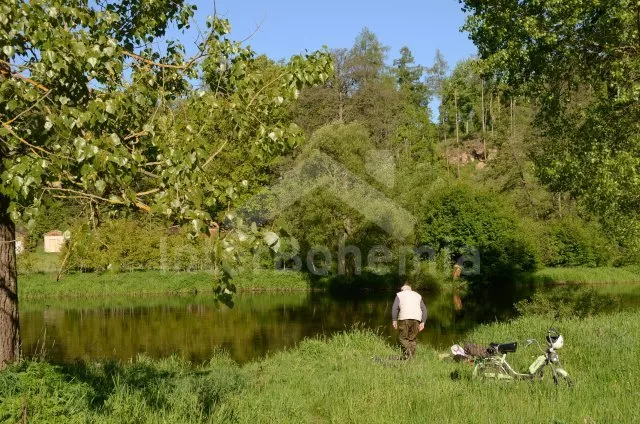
<point>85,117</point>
<point>579,58</point>
<point>89,111</point>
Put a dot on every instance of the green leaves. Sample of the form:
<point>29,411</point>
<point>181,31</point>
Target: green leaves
<point>95,121</point>
<point>584,77</point>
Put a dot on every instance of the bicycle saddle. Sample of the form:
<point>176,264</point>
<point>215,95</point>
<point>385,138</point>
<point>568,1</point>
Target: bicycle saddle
<point>504,347</point>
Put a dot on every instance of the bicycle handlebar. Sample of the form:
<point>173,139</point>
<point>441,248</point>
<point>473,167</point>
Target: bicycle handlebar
<point>531,341</point>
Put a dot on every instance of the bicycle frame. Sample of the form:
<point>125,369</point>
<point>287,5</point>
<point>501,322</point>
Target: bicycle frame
<point>497,367</point>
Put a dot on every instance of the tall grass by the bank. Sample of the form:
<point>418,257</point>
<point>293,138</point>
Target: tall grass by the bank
<point>272,298</point>
<point>336,380</point>
<point>583,275</point>
<point>146,391</point>
<point>44,285</point>
<point>38,286</point>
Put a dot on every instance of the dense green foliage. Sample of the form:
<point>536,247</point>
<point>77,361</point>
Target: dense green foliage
<point>583,77</point>
<point>126,141</point>
<point>572,242</point>
<point>127,245</point>
<point>337,380</point>
<point>373,119</point>
<point>321,217</point>
<point>503,212</point>
<point>463,220</point>
<point>568,301</point>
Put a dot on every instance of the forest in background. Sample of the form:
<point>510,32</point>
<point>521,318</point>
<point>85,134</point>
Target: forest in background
<point>475,172</point>
<point>532,158</point>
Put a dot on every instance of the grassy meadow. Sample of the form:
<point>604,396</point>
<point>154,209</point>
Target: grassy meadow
<point>336,380</point>
<point>585,275</point>
<point>44,285</point>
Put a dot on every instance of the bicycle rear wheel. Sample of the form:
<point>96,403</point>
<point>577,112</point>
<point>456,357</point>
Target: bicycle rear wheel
<point>490,370</point>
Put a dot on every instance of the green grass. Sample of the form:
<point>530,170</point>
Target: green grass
<point>169,390</point>
<point>335,380</point>
<point>267,300</point>
<point>604,275</point>
<point>39,261</point>
<point>40,286</point>
<point>68,303</point>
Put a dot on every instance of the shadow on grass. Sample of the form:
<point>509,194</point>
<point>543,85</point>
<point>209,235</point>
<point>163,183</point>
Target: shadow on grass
<point>164,387</point>
<point>104,379</point>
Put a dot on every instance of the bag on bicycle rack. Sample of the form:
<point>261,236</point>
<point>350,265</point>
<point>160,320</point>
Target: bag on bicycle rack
<point>476,350</point>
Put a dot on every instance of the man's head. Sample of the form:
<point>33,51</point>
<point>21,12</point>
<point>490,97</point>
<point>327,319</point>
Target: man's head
<point>406,286</point>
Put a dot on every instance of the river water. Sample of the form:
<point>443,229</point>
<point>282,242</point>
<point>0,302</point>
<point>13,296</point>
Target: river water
<point>194,327</point>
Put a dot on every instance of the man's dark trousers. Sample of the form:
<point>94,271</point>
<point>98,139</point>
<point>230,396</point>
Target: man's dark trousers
<point>408,333</point>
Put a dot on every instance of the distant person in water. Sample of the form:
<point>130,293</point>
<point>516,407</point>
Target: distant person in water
<point>408,316</point>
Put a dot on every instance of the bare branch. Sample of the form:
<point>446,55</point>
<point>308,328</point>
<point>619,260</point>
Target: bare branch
<point>149,174</point>
<point>255,31</point>
<point>213,156</point>
<point>26,79</point>
<point>4,124</point>
<point>82,195</point>
<point>152,63</point>
<point>145,193</point>
<point>25,142</point>
<point>135,135</point>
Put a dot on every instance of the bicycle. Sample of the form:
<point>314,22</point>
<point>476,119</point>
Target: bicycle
<point>495,364</point>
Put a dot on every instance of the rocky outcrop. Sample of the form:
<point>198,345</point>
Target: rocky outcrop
<point>470,152</point>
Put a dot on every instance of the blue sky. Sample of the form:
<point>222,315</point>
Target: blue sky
<point>288,27</point>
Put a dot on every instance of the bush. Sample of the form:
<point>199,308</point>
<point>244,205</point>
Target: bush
<point>571,242</point>
<point>128,245</point>
<point>567,302</point>
<point>459,217</point>
<point>52,215</point>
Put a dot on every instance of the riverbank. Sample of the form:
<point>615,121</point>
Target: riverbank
<point>582,275</point>
<point>336,380</point>
<point>41,285</point>
<point>84,285</point>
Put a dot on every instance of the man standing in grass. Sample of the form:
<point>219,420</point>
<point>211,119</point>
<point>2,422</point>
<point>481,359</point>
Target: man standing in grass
<point>408,316</point>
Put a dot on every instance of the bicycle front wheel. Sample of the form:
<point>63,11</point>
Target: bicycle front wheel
<point>560,373</point>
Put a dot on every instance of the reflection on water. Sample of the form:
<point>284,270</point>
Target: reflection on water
<point>194,327</point>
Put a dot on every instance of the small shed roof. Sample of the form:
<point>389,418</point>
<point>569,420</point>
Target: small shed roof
<point>54,233</point>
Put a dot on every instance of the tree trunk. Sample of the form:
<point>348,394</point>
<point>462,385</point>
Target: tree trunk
<point>457,132</point>
<point>9,324</point>
<point>446,154</point>
<point>491,114</point>
<point>512,117</point>
<point>484,125</point>
<point>560,204</point>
